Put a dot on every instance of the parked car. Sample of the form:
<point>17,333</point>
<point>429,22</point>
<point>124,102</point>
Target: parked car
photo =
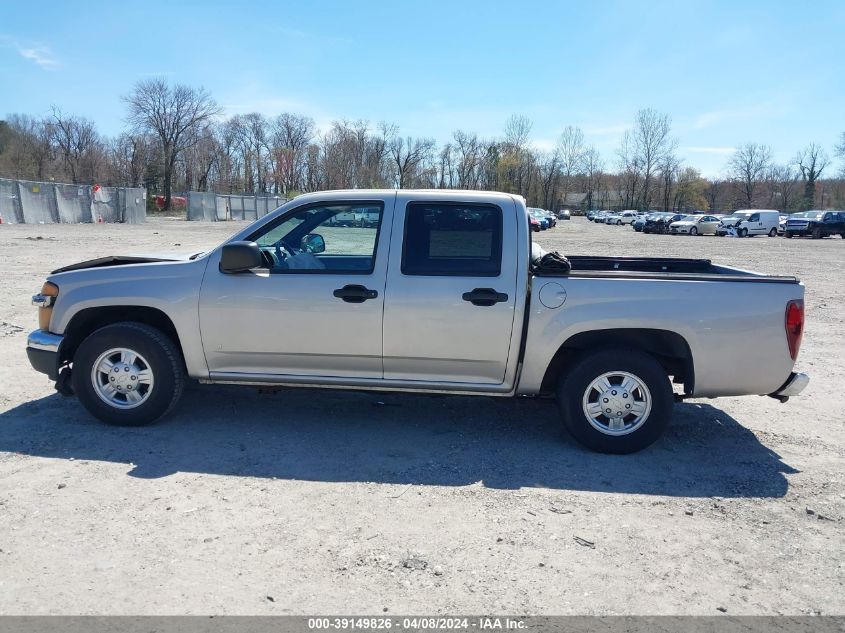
<point>751,222</point>
<point>368,217</point>
<point>639,223</point>
<point>564,214</point>
<point>271,306</point>
<point>344,219</point>
<point>695,225</point>
<point>816,224</point>
<point>782,223</point>
<point>540,217</point>
<point>534,223</point>
<point>552,218</point>
<point>661,222</point>
<point>624,217</point>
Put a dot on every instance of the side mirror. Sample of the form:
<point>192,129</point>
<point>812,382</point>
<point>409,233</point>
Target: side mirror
<point>238,257</point>
<point>313,243</point>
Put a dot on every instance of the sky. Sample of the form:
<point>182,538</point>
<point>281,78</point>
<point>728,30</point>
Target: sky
<point>726,73</point>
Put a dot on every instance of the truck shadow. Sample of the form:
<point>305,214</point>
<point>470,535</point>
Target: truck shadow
<point>333,436</point>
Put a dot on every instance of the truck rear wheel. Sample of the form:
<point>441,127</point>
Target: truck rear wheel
<point>128,374</point>
<point>616,400</point>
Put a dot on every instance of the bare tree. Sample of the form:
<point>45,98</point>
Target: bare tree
<point>409,155</point>
<point>468,153</point>
<point>570,148</point>
<point>748,165</point>
<point>651,142</point>
<point>78,144</point>
<point>291,135</point>
<point>812,161</point>
<point>670,168</point>
<point>172,113</point>
<point>631,168</point>
<point>593,167</point>
<point>549,166</point>
<point>783,186</point>
<point>512,159</point>
<point>840,151</point>
<point>129,155</point>
<point>445,171</point>
<point>28,150</point>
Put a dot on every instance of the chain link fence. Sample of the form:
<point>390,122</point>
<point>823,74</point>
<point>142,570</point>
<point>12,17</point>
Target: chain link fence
<point>213,207</point>
<point>29,202</point>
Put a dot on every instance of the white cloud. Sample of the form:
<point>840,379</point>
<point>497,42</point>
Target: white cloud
<point>39,55</point>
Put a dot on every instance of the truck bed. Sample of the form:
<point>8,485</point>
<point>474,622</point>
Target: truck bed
<point>660,268</point>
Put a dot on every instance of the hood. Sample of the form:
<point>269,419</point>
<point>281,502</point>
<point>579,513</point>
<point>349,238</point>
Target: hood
<point>731,221</point>
<point>122,260</point>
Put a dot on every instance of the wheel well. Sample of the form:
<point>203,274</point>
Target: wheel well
<point>87,321</point>
<point>668,348</point>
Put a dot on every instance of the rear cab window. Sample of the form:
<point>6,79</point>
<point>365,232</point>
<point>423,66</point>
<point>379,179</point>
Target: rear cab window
<point>452,239</point>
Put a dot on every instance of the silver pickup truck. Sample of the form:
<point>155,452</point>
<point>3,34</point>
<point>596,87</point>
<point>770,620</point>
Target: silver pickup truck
<point>443,293</point>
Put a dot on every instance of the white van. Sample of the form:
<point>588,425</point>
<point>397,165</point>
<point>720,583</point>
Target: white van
<point>757,222</point>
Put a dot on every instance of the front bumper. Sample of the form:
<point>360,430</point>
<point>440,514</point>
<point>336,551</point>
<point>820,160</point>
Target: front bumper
<point>42,348</point>
<point>796,383</point>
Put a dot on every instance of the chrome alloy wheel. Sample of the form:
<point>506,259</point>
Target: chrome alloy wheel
<point>122,378</point>
<point>617,403</point>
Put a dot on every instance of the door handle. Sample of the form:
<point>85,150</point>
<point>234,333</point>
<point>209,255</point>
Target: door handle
<point>484,297</point>
<point>355,294</point>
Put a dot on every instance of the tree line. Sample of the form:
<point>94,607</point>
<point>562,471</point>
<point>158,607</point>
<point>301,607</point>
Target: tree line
<point>177,139</point>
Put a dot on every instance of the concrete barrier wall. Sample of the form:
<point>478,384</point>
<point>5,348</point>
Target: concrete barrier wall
<point>30,202</point>
<point>212,207</point>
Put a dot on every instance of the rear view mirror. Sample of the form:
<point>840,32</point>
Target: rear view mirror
<point>238,257</point>
<point>313,243</point>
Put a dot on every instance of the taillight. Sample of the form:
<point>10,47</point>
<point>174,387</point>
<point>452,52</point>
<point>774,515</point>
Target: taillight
<point>794,326</point>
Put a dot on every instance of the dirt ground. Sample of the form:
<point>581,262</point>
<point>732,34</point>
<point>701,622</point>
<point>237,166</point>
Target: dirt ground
<point>311,501</point>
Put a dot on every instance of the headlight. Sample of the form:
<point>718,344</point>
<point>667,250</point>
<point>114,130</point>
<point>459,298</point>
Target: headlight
<point>44,302</point>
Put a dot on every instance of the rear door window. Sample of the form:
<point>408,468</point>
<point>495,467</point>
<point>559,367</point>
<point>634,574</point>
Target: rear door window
<point>450,239</point>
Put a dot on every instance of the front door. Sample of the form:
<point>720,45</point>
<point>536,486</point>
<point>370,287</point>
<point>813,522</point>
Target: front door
<point>314,308</point>
<point>451,296</point>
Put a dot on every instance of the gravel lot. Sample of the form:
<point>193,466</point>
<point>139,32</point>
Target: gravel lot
<point>312,501</point>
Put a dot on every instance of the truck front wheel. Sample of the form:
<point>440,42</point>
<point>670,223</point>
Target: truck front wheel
<point>128,374</point>
<point>616,400</point>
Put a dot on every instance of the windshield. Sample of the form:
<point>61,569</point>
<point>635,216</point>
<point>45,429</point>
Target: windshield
<point>738,216</point>
<point>813,215</point>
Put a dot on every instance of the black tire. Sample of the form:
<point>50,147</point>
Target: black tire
<point>817,233</point>
<point>162,356</point>
<point>693,231</point>
<point>576,381</point>
<point>742,233</point>
<point>773,232</point>
<point>788,235</point>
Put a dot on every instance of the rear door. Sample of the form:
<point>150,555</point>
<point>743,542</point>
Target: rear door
<point>451,295</point>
